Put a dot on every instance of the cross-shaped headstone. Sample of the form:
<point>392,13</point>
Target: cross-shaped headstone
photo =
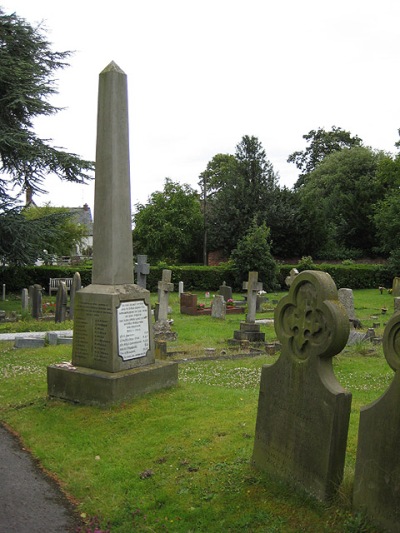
<point>252,286</point>
<point>164,288</point>
<point>142,269</point>
<point>292,274</point>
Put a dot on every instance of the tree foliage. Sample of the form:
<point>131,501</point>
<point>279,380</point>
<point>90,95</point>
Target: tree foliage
<point>321,144</point>
<point>170,226</point>
<point>253,253</point>
<point>27,70</point>
<point>237,188</point>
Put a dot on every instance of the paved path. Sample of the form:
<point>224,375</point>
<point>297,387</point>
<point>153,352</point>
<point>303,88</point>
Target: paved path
<point>30,502</point>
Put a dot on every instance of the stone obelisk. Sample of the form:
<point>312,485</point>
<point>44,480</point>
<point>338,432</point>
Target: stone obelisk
<point>113,351</point>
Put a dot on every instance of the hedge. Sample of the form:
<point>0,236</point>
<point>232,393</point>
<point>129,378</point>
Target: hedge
<point>355,276</point>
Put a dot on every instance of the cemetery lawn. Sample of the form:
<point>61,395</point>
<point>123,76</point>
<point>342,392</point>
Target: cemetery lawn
<point>179,460</point>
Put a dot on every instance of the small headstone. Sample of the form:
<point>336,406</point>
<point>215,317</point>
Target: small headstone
<point>24,300</point>
<point>396,286</point>
<point>347,300</point>
<point>292,274</point>
<point>218,307</point>
<point>61,302</point>
<point>37,301</point>
<point>303,412</point>
<point>397,303</point>
<point>164,288</point>
<point>180,288</point>
<point>377,473</point>
<point>142,269</point>
<point>225,291</point>
<point>76,285</point>
<point>29,342</point>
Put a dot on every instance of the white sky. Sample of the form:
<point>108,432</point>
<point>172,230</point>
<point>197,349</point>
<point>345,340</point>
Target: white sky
<point>203,73</point>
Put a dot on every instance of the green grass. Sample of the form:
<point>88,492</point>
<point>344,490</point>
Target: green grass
<point>179,460</point>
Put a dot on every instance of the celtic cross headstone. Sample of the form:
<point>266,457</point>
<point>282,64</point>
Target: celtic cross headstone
<point>303,412</point>
<point>377,473</point>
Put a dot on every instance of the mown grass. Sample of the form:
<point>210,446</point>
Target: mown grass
<point>179,460</point>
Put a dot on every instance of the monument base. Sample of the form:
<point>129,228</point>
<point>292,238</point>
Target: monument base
<point>95,387</point>
<point>249,332</point>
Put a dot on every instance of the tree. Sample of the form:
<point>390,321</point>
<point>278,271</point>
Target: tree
<point>253,253</point>
<point>27,68</point>
<point>239,188</point>
<point>322,143</point>
<point>340,195</point>
<point>169,226</point>
<point>66,233</point>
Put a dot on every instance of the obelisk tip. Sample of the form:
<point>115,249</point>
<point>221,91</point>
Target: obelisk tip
<point>112,67</point>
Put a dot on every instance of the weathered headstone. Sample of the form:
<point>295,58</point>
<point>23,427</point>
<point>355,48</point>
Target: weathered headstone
<point>37,310</point>
<point>303,412</point>
<point>346,298</point>
<point>113,349</point>
<point>218,307</point>
<point>249,330</point>
<point>292,275</point>
<point>164,288</point>
<point>396,286</point>
<point>30,297</point>
<point>225,291</point>
<point>142,269</point>
<point>24,300</point>
<point>76,285</point>
<point>377,473</point>
<point>61,302</point>
<point>396,303</point>
<point>188,303</point>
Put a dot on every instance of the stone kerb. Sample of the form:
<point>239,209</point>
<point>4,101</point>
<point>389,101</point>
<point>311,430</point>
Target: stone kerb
<point>377,473</point>
<point>303,412</point>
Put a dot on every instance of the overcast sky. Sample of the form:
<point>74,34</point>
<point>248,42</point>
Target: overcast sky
<point>201,74</point>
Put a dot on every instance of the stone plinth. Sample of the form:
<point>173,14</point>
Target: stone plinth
<point>377,472</point>
<point>249,332</point>
<point>94,387</point>
<point>303,412</point>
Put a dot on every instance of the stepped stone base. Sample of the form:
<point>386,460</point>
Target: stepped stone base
<point>249,332</point>
<point>95,387</point>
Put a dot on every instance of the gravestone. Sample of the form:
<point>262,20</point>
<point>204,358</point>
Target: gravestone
<point>180,288</point>
<point>218,307</point>
<point>377,473</point>
<point>303,412</point>
<point>76,285</point>
<point>142,269</point>
<point>249,330</point>
<point>61,302</point>
<point>30,297</point>
<point>225,291</point>
<point>164,288</point>
<point>188,304</point>
<point>346,298</point>
<point>37,311</point>
<point>396,287</point>
<point>396,303</point>
<point>24,300</point>
<point>113,356</point>
<point>292,274</point>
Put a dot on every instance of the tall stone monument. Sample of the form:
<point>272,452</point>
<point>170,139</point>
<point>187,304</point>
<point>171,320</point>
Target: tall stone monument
<point>113,350</point>
<point>303,412</point>
<point>377,474</point>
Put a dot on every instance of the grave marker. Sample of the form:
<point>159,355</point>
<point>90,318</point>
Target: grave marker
<point>164,288</point>
<point>113,350</point>
<point>218,307</point>
<point>24,300</point>
<point>346,298</point>
<point>37,301</point>
<point>377,472</point>
<point>225,291</point>
<point>396,286</point>
<point>249,330</point>
<point>142,269</point>
<point>61,302</point>
<point>75,286</point>
<point>303,412</point>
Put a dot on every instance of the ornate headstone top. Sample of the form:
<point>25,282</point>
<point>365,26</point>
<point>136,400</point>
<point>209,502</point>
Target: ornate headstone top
<point>310,321</point>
